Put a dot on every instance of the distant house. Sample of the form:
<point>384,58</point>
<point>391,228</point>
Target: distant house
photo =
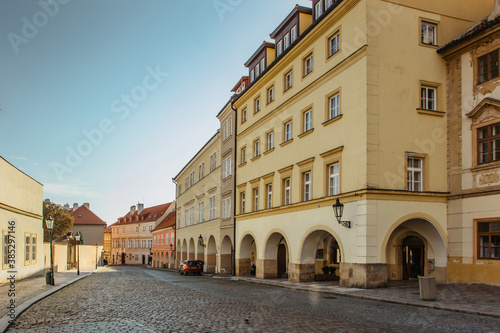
<point>131,238</point>
<point>107,245</point>
<point>21,216</point>
<point>88,224</point>
<point>164,243</point>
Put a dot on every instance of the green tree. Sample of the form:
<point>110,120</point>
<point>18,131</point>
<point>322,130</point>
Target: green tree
<point>62,220</point>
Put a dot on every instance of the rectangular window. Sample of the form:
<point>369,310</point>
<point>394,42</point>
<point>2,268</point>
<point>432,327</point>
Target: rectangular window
<point>286,191</point>
<point>123,243</point>
<point>318,9</point>
<point>143,244</point>
<point>256,148</point>
<point>328,4</point>
<point>226,169</point>
<point>307,186</point>
<point>130,244</point>
<point>186,183</point>
<point>211,204</point>
<point>488,234</point>
<point>255,199</point>
<point>334,106</point>
<point>161,241</point>
<point>186,217</point>
<point>488,66</point>
<point>201,211</point>
<point>242,199</point>
<point>191,178</point>
<point>428,98</point>
<point>269,197</point>
<point>286,41</point>
<point>257,70</point>
<point>172,238</point>
<point>252,76</point>
<point>137,229</point>
<point>270,140</point>
<point>226,208</point>
<point>123,230</point>
<point>415,170</point>
<point>262,65</point>
<point>288,131</point>
<point>143,228</point>
<point>288,80</point>
<point>308,65</point>
<point>270,94</point>
<point>213,162</point>
<point>308,120</point>
<point>243,155</point>
<point>130,229</point>
<point>191,215</point>
<point>136,243</point>
<point>279,49</point>
<point>333,179</point>
<point>488,143</point>
<point>257,104</point>
<point>150,228</point>
<point>201,171</point>
<point>428,36</point>
<point>27,248</point>
<point>243,116</point>
<point>294,33</point>
<point>150,243</point>
<point>334,45</point>
<point>33,248</point>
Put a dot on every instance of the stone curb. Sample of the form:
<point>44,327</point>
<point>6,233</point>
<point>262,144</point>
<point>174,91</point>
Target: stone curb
<point>437,307</point>
<point>5,322</point>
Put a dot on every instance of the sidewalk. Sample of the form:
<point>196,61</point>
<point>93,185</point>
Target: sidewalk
<point>474,299</point>
<point>31,290</point>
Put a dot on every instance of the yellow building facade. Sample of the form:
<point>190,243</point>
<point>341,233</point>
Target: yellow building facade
<point>354,108</point>
<point>198,199</point>
<point>21,216</point>
<point>474,153</point>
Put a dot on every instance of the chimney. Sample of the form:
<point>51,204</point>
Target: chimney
<point>75,206</point>
<point>132,210</point>
<point>496,11</point>
<point>66,207</point>
<point>47,201</point>
<point>140,207</point>
<point>86,204</point>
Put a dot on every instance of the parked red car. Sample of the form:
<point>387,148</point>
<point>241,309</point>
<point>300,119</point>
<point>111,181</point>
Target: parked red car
<point>190,266</point>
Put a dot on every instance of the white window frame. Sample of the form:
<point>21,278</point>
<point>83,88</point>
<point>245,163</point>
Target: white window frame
<point>270,140</point>
<point>252,76</point>
<point>201,171</point>
<point>307,185</point>
<point>288,131</point>
<point>211,203</point>
<point>334,106</point>
<point>428,98</point>
<point>270,95</point>
<point>244,115</point>
<point>288,80</point>
<point>255,199</point>
<point>186,217</point>
<point>287,187</point>
<point>318,9</point>
<point>286,41</point>
<point>269,196</point>
<point>257,104</point>
<point>428,33</point>
<point>257,70</point>
<point>256,148</point>
<point>308,121</point>
<point>328,4</point>
<point>293,33</point>
<point>244,155</point>
<point>242,200</point>
<point>191,215</point>
<point>279,48</point>
<point>262,65</point>
<point>201,211</point>
<point>308,65</point>
<point>333,179</point>
<point>412,184</point>
<point>334,44</point>
<point>213,161</point>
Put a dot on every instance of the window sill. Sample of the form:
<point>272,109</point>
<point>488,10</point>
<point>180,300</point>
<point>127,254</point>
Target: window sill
<point>242,165</point>
<point>227,139</point>
<point>486,166</point>
<point>332,120</point>
<point>269,151</point>
<point>286,143</point>
<point>432,46</point>
<point>431,112</point>
<point>255,158</point>
<point>301,135</point>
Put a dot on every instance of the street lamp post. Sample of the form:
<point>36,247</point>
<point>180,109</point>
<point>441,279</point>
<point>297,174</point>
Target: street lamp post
<point>50,226</point>
<point>78,237</point>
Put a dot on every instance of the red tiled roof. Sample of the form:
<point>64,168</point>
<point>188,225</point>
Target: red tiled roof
<point>84,216</point>
<point>149,214</point>
<point>471,33</point>
<point>168,222</point>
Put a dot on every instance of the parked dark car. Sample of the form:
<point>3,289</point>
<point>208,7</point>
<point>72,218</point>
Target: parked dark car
<point>190,266</point>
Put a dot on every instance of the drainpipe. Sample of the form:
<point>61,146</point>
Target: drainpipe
<point>233,259</point>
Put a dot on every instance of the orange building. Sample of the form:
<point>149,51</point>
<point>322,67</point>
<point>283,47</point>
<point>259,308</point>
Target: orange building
<point>164,243</point>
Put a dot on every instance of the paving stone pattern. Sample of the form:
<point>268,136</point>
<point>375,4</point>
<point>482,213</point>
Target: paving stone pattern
<point>133,299</point>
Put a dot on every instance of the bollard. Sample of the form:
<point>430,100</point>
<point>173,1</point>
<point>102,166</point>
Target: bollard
<point>427,285</point>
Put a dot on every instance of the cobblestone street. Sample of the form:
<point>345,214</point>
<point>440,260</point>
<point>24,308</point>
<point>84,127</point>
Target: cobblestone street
<point>134,299</point>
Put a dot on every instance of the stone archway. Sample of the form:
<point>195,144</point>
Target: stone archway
<point>275,263</point>
<point>246,262</point>
<point>211,256</point>
<point>191,250</point>
<point>226,256</point>
<point>320,248</point>
<point>184,251</point>
<point>416,247</point>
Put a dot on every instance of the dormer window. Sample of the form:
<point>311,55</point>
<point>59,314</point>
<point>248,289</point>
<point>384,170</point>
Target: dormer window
<point>328,4</point>
<point>286,40</point>
<point>257,70</point>
<point>262,65</point>
<point>318,9</point>
<point>280,48</point>
<point>294,33</point>
<point>252,75</point>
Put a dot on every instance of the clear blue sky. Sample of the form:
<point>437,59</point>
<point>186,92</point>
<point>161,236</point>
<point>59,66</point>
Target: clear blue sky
<point>105,101</point>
